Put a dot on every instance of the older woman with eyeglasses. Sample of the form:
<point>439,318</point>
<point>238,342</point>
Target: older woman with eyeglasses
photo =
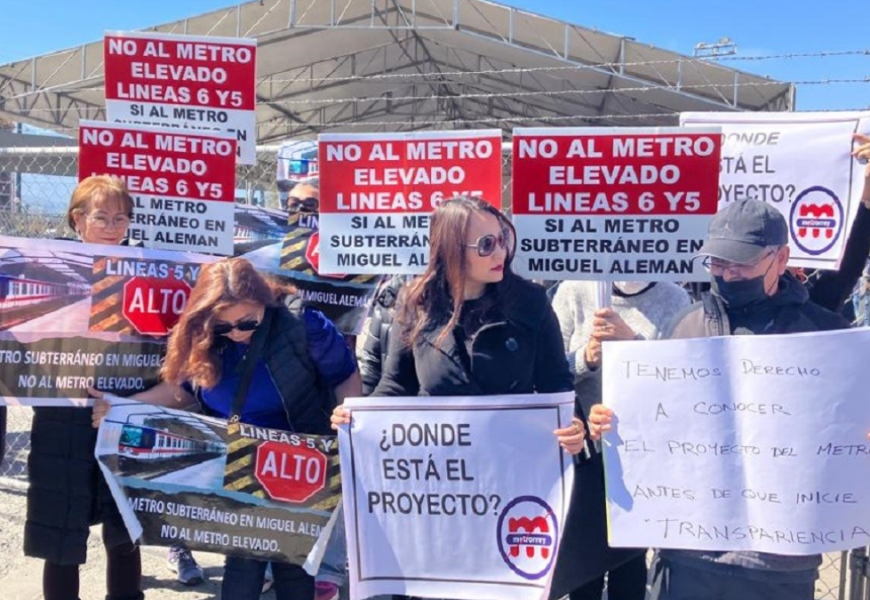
<point>67,493</point>
<point>304,366</point>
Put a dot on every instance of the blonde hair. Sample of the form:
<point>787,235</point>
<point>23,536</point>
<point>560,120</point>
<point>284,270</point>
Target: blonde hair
<point>98,188</point>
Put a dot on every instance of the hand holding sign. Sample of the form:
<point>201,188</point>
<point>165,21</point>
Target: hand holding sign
<point>600,421</point>
<point>340,416</point>
<point>862,155</point>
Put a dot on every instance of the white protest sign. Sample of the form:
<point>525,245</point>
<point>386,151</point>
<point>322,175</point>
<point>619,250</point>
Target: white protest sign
<point>739,443</point>
<point>455,497</point>
<point>190,82</point>
<point>182,182</point>
<point>613,203</point>
<point>377,192</point>
<point>801,164</point>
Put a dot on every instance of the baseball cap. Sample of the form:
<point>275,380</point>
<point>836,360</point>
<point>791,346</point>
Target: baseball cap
<point>741,231</point>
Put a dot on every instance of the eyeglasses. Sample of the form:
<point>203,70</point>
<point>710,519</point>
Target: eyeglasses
<point>101,222</point>
<point>245,325</point>
<point>486,244</point>
<point>310,204</point>
<point>718,267</point>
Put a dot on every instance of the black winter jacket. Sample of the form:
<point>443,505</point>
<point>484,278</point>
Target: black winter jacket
<point>518,350</point>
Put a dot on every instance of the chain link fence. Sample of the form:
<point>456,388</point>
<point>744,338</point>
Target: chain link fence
<point>35,206</point>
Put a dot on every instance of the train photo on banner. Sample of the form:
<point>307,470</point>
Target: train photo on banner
<point>141,443</point>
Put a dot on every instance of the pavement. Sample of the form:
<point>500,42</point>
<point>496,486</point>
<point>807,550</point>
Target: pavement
<point>21,577</point>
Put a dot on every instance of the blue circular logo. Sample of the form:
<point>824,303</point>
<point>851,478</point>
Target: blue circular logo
<point>527,532</point>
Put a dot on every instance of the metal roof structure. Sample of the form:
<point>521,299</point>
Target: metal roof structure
<point>404,65</point>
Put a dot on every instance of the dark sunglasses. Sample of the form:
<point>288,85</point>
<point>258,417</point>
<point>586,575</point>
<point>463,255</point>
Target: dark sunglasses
<point>225,328</point>
<point>310,204</point>
<point>486,244</point>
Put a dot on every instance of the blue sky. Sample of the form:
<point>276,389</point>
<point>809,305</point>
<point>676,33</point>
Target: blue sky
<point>758,28</point>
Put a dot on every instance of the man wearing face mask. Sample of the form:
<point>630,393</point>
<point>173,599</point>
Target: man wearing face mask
<point>746,253</point>
<point>639,310</point>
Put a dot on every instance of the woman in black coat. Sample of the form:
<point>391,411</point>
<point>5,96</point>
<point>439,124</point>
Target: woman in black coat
<point>67,493</point>
<point>469,325</point>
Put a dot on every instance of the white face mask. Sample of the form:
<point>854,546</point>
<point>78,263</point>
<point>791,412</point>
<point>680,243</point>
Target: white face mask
<point>630,288</point>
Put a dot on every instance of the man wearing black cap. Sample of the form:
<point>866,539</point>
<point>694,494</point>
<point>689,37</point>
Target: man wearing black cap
<point>746,253</point>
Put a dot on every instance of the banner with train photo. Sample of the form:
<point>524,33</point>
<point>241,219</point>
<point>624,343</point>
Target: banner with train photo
<point>180,477</point>
<point>74,316</point>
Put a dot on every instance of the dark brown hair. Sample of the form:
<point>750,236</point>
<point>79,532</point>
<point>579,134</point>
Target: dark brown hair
<point>190,354</point>
<point>439,291</point>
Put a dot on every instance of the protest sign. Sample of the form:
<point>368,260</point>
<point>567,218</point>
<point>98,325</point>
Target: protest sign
<point>439,503</point>
<point>344,299</point>
<point>182,183</point>
<point>177,478</point>
<point>739,443</point>
<point>612,204</point>
<point>188,82</point>
<point>74,316</point>
<point>378,190</point>
<point>800,163</point>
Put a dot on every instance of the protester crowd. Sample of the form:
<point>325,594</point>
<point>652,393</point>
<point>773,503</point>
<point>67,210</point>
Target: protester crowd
<point>249,350</point>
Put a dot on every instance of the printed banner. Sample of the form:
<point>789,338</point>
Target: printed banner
<point>74,316</point>
<point>178,478</point>
<point>613,204</point>
<point>182,183</point>
<point>427,476</point>
<point>189,82</point>
<point>710,435</point>
<point>344,299</point>
<point>801,164</point>
<point>378,190</point>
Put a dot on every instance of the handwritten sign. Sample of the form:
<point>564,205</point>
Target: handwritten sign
<point>433,470</point>
<point>182,183</point>
<point>378,190</point>
<point>191,82</point>
<point>739,443</point>
<point>612,204</point>
<point>800,164</point>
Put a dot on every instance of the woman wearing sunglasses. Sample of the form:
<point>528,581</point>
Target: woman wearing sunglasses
<point>66,492</point>
<point>304,363</point>
<point>469,325</point>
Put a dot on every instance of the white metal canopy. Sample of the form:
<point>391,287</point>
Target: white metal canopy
<point>403,65</point>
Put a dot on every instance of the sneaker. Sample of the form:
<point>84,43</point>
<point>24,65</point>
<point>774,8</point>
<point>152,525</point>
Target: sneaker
<point>324,590</point>
<point>181,562</point>
<point>268,579</point>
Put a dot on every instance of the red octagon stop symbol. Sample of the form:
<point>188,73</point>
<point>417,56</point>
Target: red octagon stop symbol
<point>312,255</point>
<point>290,473</point>
<point>153,305</point>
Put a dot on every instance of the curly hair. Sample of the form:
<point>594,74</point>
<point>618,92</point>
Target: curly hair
<point>191,354</point>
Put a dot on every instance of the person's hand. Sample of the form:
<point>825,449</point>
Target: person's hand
<point>862,153</point>
<point>592,353</point>
<point>607,325</point>
<point>572,438</point>
<point>340,416</point>
<point>101,407</point>
<point>600,421</point>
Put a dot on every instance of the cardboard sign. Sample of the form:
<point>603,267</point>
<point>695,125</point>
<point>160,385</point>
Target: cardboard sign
<point>378,190</point>
<point>189,82</point>
<point>182,183</point>
<point>612,204</point>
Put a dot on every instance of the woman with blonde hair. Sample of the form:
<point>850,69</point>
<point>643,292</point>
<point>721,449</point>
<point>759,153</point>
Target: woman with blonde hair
<point>67,493</point>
